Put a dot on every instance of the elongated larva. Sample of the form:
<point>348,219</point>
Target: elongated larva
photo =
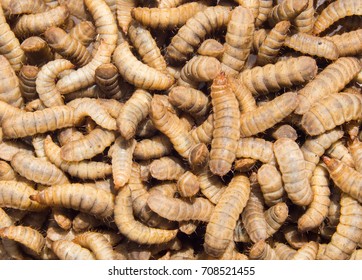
<point>167,168</point>
<point>27,78</point>
<point>256,148</point>
<point>275,217</point>
<point>348,43</point>
<point>265,6</point>
<point>262,251</point>
<point>36,50</point>
<point>271,184</point>
<point>97,243</point>
<point>211,185</point>
<point>155,147</point>
<point>292,166</point>
<point>304,22</point>
<point>245,98</point>
<point>76,8</point>
<point>27,7</point>
<point>211,47</point>
<point>9,84</point>
<point>203,133</point>
<point>68,250</point>
<point>107,78</point>
<point>220,229</point>
<point>286,10</point>
<point>84,32</point>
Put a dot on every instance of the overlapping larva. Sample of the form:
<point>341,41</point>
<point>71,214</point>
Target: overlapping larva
<point>275,217</point>
<point>344,241</point>
<point>238,40</point>
<point>36,50</point>
<point>133,229</point>
<point>123,10</point>
<point>9,84</point>
<point>274,77</point>
<point>137,73</point>
<point>199,69</point>
<point>83,222</point>
<point>7,173</point>
<point>76,8</point>
<point>169,3</point>
<point>107,78</point>
<point>84,32</point>
<point>188,184</point>
<point>284,131</point>
<point>9,44</point>
<point>31,123</point>
<point>10,148</point>
<point>69,134</point>
<point>286,10</point>
<point>167,168</point>
<point>335,11</point>
<point>265,6</point>
<point>89,146</point>
<point>155,147</point>
<point>292,166</point>
<point>211,185</point>
<point>245,98</point>
<point>203,133</point>
<point>87,199</point>
<point>96,243</point>
<point>68,250</point>
<point>27,7</point>
<point>266,116</point>
<point>271,184</point>
<point>27,77</point>
<point>220,229</point>
<point>38,144</point>
<point>304,22</point>
<point>262,251</point>
<point>256,148</point>
<point>283,251</point>
<point>333,110</point>
<point>226,126</point>
<point>211,47</point>
<point>63,217</point>
<point>339,151</point>
<point>269,49</point>
<point>190,35</point>
<point>348,43</point>
<point>307,252</point>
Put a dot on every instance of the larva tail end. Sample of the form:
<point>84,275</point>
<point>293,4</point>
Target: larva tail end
<point>35,197</point>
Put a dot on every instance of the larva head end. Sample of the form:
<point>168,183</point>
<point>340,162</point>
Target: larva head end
<point>35,197</point>
<point>220,79</point>
<point>331,163</point>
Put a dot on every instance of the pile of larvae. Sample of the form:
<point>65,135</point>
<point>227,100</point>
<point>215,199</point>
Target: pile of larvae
<point>173,129</point>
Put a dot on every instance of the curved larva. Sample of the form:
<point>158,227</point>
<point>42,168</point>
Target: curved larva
<point>348,43</point>
<point>199,156</point>
<point>9,84</point>
<point>211,186</point>
<point>155,147</point>
<point>69,134</point>
<point>294,237</point>
<point>45,82</point>
<point>68,250</point>
<point>286,10</point>
<point>256,148</point>
<point>84,169</point>
<point>203,133</point>
<point>133,229</point>
<point>262,251</point>
<point>292,166</point>
<point>307,252</point>
<point>84,32</point>
<point>304,22</point>
<point>35,24</point>
<point>226,126</point>
<point>271,184</point>
<point>275,217</point>
<point>27,79</point>
<point>107,78</point>
<point>332,79</point>
<point>265,6</point>
<point>355,149</point>
<point>238,40</point>
<point>79,197</point>
<point>332,111</point>
<point>167,168</point>
<point>96,243</point>
<point>27,7</point>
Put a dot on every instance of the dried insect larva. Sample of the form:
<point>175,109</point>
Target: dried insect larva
<point>203,133</point>
<point>284,252</point>
<point>286,10</point>
<point>274,77</point>
<point>7,173</point>
<point>76,8</point>
<point>271,184</point>
<point>238,40</point>
<point>211,47</point>
<point>256,148</point>
<point>89,146</point>
<point>97,243</point>
<point>262,251</point>
<point>10,148</point>
<point>9,84</point>
<point>243,95</point>
<point>45,82</point>
<point>69,134</point>
<point>107,78</point>
<point>304,22</point>
<point>335,11</point>
<point>275,217</point>
<point>83,222</point>
<point>265,6</point>
<point>284,131</point>
<point>349,43</point>
<point>124,8</point>
<point>266,116</point>
<point>188,184</point>
<point>63,217</point>
<point>137,73</point>
<point>333,110</point>
<point>133,229</point>
<point>244,164</point>
<point>38,144</point>
<point>292,166</point>
<point>295,238</point>
<point>34,105</point>
<point>258,39</point>
<point>307,252</point>
<point>68,250</point>
<point>27,77</point>
<point>122,161</point>
<point>190,35</point>
<point>167,168</point>
<point>220,229</point>
<point>155,147</point>
<point>356,152</point>
<point>269,49</point>
<point>79,197</point>
<point>339,151</point>
<point>27,7</point>
<point>84,32</point>
<point>226,126</point>
<point>36,50</point>
<point>211,185</point>
<point>314,148</point>
<point>37,169</point>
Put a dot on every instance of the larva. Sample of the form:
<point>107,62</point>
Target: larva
<point>112,106</point>
<point>96,243</point>
<point>31,123</point>
<point>273,77</point>
<point>45,82</point>
<point>196,27</point>
<point>83,222</point>
<point>275,217</point>
<point>84,32</point>
<point>38,144</point>
<point>244,164</point>
<point>283,251</point>
<point>9,84</point>
<point>211,47</point>
<point>69,134</point>
<point>262,251</point>
<point>167,168</point>
<point>124,8</point>
<point>292,166</point>
<point>333,110</point>
<point>256,148</point>
<point>355,149</point>
<point>27,7</point>
<point>188,184</point>
<point>107,78</point>
<point>137,73</point>
<point>36,50</point>
<point>284,131</point>
<point>203,133</point>
<point>79,197</point>
<point>211,185</point>
<point>307,252</point>
<point>155,147</point>
<point>27,78</point>
<point>304,22</point>
<point>76,8</point>
<point>271,184</point>
<point>7,173</point>
<point>339,151</point>
<point>245,98</point>
<point>286,10</point>
<point>348,43</point>
<point>265,6</point>
<point>252,5</point>
<point>266,116</point>
<point>9,148</point>
<point>89,146</point>
<point>68,250</point>
<point>133,229</point>
<point>220,229</point>
<point>226,126</point>
<point>63,217</point>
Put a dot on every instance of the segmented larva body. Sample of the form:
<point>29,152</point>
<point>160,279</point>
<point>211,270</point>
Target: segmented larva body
<point>124,8</point>
<point>284,131</point>
<point>274,77</point>
<point>76,8</point>
<point>266,116</point>
<point>335,11</point>
<point>10,46</point>
<point>27,79</point>
<point>63,217</point>
<point>238,40</point>
<point>269,49</point>
<point>283,251</point>
<point>348,43</point>
<point>79,197</point>
<point>38,143</point>
<point>34,105</point>
<point>69,134</point>
<point>68,250</point>
<point>256,148</point>
<point>199,69</point>
<point>89,146</point>
<point>356,255</point>
<point>167,168</point>
<point>203,133</point>
<point>226,126</point>
<point>286,10</point>
<point>31,123</point>
<point>331,80</point>
<point>304,22</point>
<point>314,148</point>
<point>245,98</point>
<point>7,173</point>
<point>271,184</point>
<point>107,78</point>
<point>83,222</point>
<point>35,24</point>
<point>307,252</point>
<point>292,166</point>
<point>356,151</point>
<point>339,151</point>
<point>244,164</point>
<point>10,148</point>
<point>27,7</point>
<point>275,217</point>
<point>96,243</point>
<point>211,185</point>
<point>188,184</point>
<point>133,229</point>
<point>9,84</point>
<point>332,111</point>
<point>37,50</point>
<point>211,47</point>
<point>220,229</point>
<point>265,6</point>
<point>196,27</point>
<point>84,32</point>
<point>262,251</point>
<point>155,147</point>
<point>137,73</point>
<point>45,82</point>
